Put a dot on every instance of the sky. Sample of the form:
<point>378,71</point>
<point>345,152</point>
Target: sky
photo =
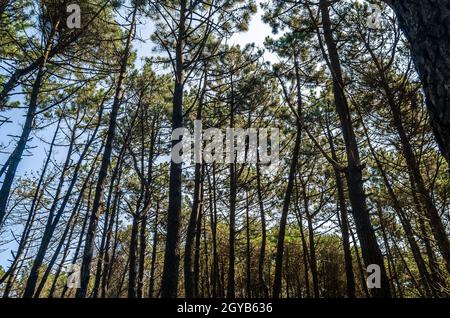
<point>256,34</point>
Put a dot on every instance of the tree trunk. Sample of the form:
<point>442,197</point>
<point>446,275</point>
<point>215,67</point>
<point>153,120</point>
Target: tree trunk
<point>196,207</point>
<point>426,25</point>
<point>248,276</point>
<point>141,263</point>
<point>83,229</point>
<point>52,220</point>
<point>198,241</point>
<point>312,246</point>
<point>103,172</point>
<point>233,195</point>
<point>344,225</point>
<point>287,199</point>
<point>38,193</point>
<point>16,156</point>
<point>133,258</point>
<point>406,224</point>
<point>169,285</point>
<point>284,214</point>
<point>215,279</point>
<point>369,246</point>
<point>264,290</point>
<point>304,245</point>
<point>151,291</point>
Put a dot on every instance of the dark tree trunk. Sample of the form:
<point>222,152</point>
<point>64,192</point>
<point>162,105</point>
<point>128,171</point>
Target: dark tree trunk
<point>141,263</point>
<point>133,258</point>
<point>304,245</point>
<point>362,272</point>
<point>312,245</point>
<point>38,193</point>
<point>103,172</point>
<point>83,229</point>
<point>284,214</point>
<point>169,285</point>
<point>52,220</point>
<point>103,262</point>
<point>233,195</point>
<point>198,242</point>
<point>151,291</point>
<point>287,199</point>
<point>16,156</point>
<point>369,246</point>
<point>344,225</point>
<point>107,265</point>
<point>215,279</point>
<point>196,209</point>
<point>248,276</point>
<point>108,221</point>
<point>406,224</point>
<point>264,290</point>
<point>426,25</point>
<point>64,256</point>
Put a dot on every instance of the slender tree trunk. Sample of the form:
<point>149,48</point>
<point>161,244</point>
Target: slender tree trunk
<point>391,266</point>
<point>344,225</point>
<point>248,275</point>
<point>432,213</point>
<point>286,203</point>
<point>52,221</point>
<point>369,246</point>
<point>264,290</point>
<point>312,246</point>
<point>198,241</point>
<point>133,257</point>
<point>38,193</point>
<point>64,256</point>
<point>425,24</point>
<point>304,245</point>
<point>151,291</point>
<point>362,272</point>
<point>189,282</point>
<point>107,266</point>
<point>96,209</point>
<point>215,279</point>
<point>16,155</point>
<point>147,202</point>
<point>231,288</point>
<point>207,269</point>
<point>110,261</point>
<point>169,285</point>
<point>406,224</point>
<point>141,264</point>
<point>83,229</point>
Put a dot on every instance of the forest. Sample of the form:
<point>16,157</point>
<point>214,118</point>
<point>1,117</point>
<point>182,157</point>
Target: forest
<point>93,204</point>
